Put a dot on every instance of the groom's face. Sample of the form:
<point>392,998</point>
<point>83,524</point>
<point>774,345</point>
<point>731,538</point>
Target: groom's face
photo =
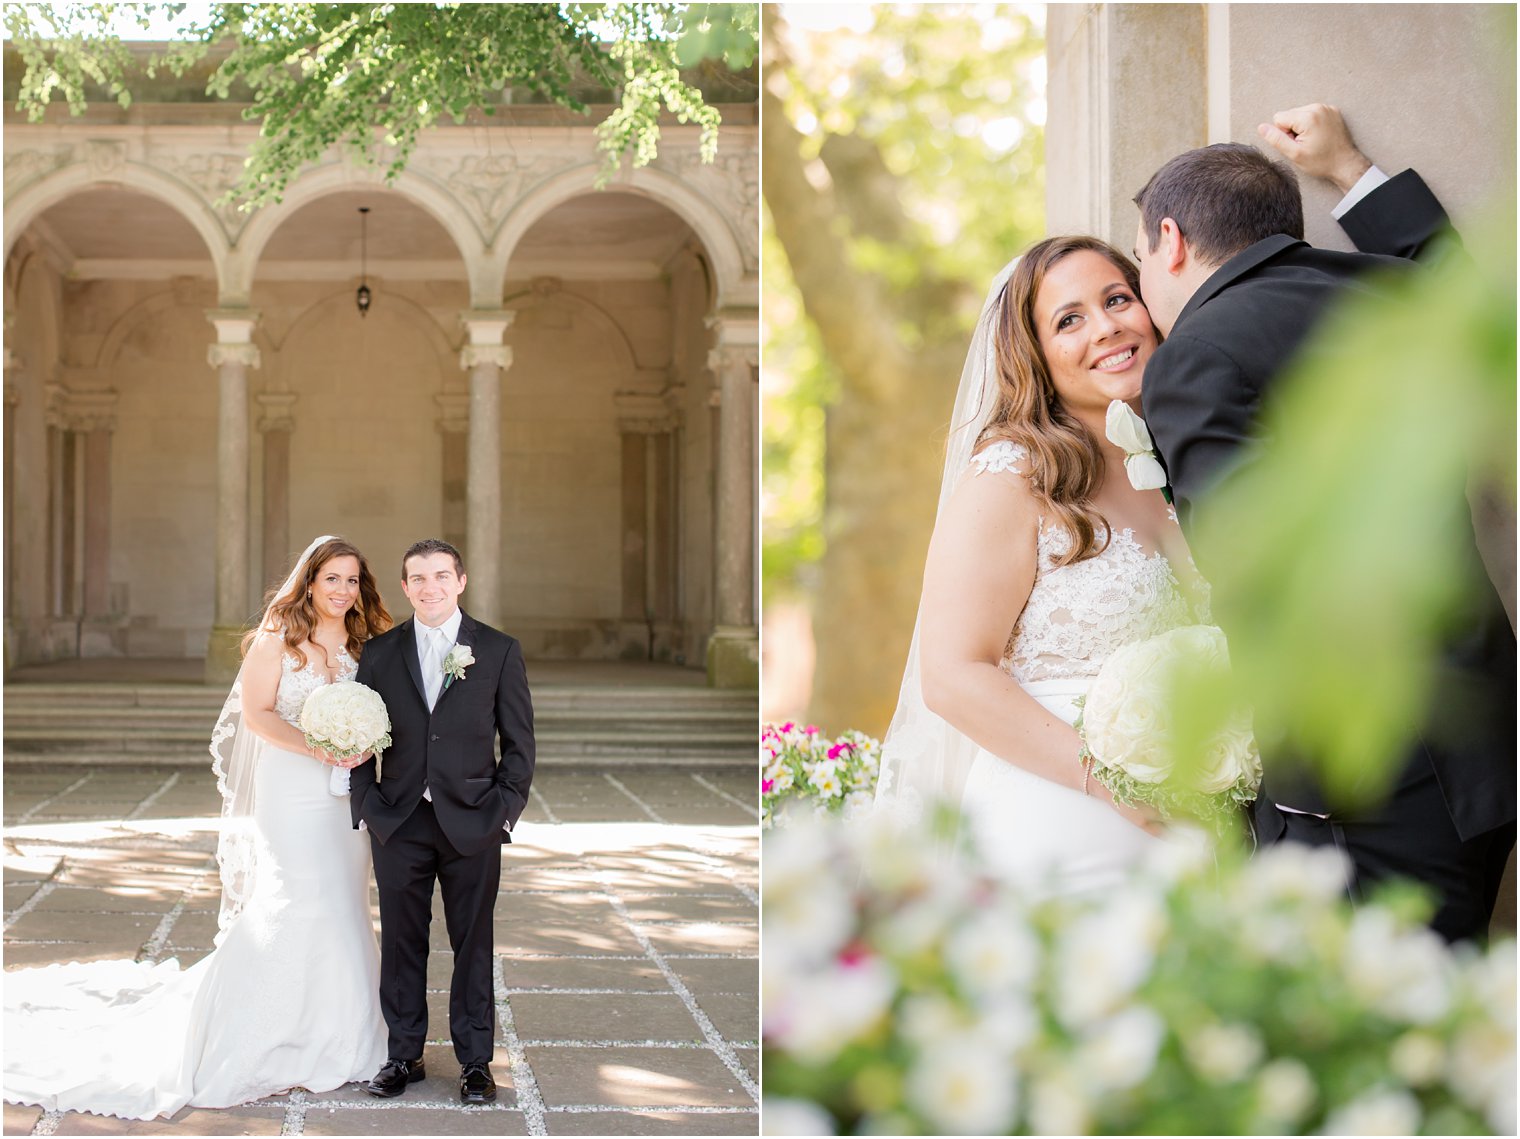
<point>433,584</point>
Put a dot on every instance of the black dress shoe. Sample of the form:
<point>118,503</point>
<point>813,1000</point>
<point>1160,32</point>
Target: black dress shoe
<point>476,1084</point>
<point>394,1076</point>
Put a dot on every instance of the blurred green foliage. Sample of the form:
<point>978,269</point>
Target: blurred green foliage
<point>324,75</point>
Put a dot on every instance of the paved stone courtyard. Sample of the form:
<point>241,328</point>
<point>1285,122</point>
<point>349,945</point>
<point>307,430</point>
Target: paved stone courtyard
<point>626,949</point>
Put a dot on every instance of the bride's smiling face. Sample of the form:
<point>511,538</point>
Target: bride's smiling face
<point>336,587</point>
<point>1094,332</point>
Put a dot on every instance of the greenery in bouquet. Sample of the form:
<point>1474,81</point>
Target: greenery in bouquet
<point>1212,994</point>
<point>802,767</point>
<point>1145,747</point>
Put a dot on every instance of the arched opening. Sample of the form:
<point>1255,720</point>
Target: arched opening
<point>111,429</point>
<point>607,434</point>
<point>357,419</point>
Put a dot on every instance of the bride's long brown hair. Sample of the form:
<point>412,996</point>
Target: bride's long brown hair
<point>1066,465</point>
<point>293,613</point>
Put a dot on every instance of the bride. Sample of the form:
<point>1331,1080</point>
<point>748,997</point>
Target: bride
<point>290,995</point>
<point>1044,560</point>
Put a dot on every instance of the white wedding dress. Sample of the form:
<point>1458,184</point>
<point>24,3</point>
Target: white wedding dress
<point>1049,839</point>
<point>289,998</point>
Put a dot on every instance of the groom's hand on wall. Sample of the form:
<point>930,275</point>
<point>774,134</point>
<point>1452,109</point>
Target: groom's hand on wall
<point>1315,139</point>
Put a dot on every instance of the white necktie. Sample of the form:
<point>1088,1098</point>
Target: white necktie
<point>432,668</point>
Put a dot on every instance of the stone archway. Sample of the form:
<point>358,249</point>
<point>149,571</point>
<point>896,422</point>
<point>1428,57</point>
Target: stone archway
<point>608,438</point>
<point>108,410</point>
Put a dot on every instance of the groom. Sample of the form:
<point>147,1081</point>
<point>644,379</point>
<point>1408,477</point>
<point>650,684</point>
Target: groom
<point>1230,282</point>
<point>439,805</point>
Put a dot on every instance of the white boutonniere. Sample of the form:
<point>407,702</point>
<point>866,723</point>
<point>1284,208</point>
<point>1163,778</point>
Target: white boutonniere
<point>458,659</point>
<point>1128,432</point>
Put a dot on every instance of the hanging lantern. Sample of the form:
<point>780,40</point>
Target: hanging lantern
<point>362,297</point>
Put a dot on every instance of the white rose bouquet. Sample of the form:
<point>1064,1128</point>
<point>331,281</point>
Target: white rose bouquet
<point>1129,738</point>
<point>346,718</point>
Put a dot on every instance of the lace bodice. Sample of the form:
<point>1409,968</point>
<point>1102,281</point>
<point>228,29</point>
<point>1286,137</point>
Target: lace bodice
<point>1078,614</point>
<point>296,683</point>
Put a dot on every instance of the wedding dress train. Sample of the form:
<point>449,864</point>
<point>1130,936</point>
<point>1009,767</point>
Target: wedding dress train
<point>290,996</point>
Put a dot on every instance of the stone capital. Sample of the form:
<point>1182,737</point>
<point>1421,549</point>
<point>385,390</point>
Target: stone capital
<point>233,325</point>
<point>90,410</point>
<point>729,356</point>
<point>474,354</point>
<point>277,411</point>
<point>453,412</point>
<point>245,354</point>
<point>642,413</point>
<point>486,327</point>
<point>736,327</point>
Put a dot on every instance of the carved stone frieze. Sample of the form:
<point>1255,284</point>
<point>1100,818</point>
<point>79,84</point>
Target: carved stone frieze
<point>213,175</point>
<point>24,166</point>
<point>732,183</point>
<point>106,158</point>
<point>488,184</point>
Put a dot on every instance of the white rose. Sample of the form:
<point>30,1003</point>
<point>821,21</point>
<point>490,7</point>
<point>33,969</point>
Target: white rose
<point>1417,1058</point>
<point>1231,758</point>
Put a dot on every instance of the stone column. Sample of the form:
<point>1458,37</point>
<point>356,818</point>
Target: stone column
<point>733,652</point>
<point>1128,89</point>
<point>485,357</point>
<point>12,401</point>
<point>454,425</point>
<point>232,355</point>
<point>276,422</point>
<point>93,416</point>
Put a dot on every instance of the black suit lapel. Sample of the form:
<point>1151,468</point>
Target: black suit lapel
<point>466,637</point>
<point>409,653</point>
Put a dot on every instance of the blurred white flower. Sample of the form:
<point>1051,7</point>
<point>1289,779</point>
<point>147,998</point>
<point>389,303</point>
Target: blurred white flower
<point>1121,1051</point>
<point>992,952</point>
<point>1406,974</point>
<point>966,1087</point>
<point>1285,1093</point>
<point>1381,1112</point>
<point>1058,1105</point>
<point>1417,1058</point>
<point>1104,955</point>
<point>818,1013</point>
<point>1010,1020</point>
<point>809,924</point>
<point>1481,1070</point>
<point>794,1117</point>
<point>1290,871</point>
<point>928,1020</point>
<point>1223,1053</point>
<point>796,858</point>
<point>857,805</point>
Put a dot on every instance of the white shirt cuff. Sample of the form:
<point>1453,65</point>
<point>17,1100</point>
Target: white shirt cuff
<point>1367,183</point>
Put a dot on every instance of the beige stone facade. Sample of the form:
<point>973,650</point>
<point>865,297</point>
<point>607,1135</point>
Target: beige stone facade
<point>558,379</point>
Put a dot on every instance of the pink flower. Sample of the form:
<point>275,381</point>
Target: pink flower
<point>840,749</point>
<point>788,726</point>
<point>766,785</point>
<point>811,729</point>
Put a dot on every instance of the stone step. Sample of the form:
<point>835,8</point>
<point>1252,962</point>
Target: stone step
<point>101,723</point>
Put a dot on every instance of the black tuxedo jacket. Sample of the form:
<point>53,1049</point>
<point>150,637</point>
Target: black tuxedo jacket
<point>450,750</point>
<point>1202,393</point>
